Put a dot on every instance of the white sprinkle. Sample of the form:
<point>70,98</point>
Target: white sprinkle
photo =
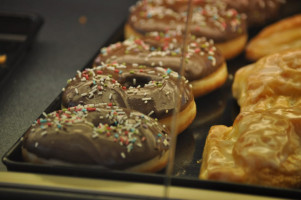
<point>45,115</point>
<point>36,144</point>
<point>150,113</point>
<point>146,99</point>
<point>167,93</point>
<point>135,65</point>
<point>122,155</point>
<point>134,81</point>
<point>165,142</point>
<point>76,90</point>
<point>63,89</point>
<point>166,111</point>
<point>79,74</point>
<point>43,133</point>
<point>84,94</point>
<point>110,96</point>
<point>91,95</point>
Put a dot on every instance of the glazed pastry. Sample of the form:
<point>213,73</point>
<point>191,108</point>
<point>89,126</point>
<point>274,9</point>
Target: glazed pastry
<point>110,137</point>
<point>152,91</point>
<point>258,12</point>
<point>263,146</point>
<point>282,35</point>
<point>205,67</point>
<point>210,19</point>
<point>272,81</point>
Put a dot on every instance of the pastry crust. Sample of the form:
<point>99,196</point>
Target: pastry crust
<point>263,146</point>
<point>282,35</point>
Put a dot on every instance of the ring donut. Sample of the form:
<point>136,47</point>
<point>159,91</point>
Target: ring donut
<point>111,137</point>
<point>210,19</point>
<point>205,68</point>
<point>258,12</point>
<point>151,91</point>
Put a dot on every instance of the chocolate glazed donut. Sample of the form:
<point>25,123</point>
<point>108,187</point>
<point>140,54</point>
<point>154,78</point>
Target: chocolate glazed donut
<point>210,19</point>
<point>110,137</point>
<point>205,67</point>
<point>152,91</point>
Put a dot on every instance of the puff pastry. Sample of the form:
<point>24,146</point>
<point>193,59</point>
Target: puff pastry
<point>282,35</point>
<point>264,144</point>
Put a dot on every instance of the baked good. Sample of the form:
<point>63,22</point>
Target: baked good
<point>210,19</point>
<point>155,92</point>
<point>282,35</point>
<point>263,146</point>
<point>272,81</point>
<point>110,137</point>
<point>258,12</point>
<point>205,66</point>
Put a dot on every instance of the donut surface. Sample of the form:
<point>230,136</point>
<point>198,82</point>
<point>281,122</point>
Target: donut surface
<point>258,12</point>
<point>203,59</point>
<point>107,136</point>
<point>212,20</point>
<point>152,91</point>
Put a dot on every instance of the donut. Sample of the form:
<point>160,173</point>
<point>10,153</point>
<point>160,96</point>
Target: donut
<point>205,67</point>
<point>212,20</point>
<point>263,146</point>
<point>258,12</point>
<point>282,35</point>
<point>151,91</point>
<point>98,135</point>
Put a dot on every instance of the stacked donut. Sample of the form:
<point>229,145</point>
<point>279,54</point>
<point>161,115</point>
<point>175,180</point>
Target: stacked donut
<point>263,146</point>
<point>205,66</point>
<point>210,19</point>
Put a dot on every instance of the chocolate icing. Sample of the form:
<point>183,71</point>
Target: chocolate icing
<point>107,136</point>
<point>165,49</point>
<point>152,91</point>
<point>258,12</point>
<point>211,19</point>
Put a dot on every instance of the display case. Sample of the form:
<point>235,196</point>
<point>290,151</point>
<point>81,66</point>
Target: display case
<point>86,182</point>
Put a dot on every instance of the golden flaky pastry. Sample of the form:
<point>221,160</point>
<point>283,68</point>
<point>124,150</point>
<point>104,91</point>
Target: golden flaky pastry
<point>282,35</point>
<point>264,144</point>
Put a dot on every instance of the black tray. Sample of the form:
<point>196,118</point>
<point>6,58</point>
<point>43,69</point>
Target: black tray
<point>218,107</point>
<point>17,33</point>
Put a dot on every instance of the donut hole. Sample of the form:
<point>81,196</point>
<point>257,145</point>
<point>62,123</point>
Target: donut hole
<point>136,80</point>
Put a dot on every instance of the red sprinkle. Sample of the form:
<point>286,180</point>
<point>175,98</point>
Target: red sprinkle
<point>99,72</point>
<point>197,50</point>
<point>49,124</point>
<point>108,134</point>
<point>123,87</point>
<point>91,109</point>
<point>110,104</point>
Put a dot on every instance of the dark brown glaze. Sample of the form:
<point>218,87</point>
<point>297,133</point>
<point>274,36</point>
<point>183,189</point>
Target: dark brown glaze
<point>165,49</point>
<point>152,91</point>
<point>258,12</point>
<point>211,19</point>
<point>102,135</point>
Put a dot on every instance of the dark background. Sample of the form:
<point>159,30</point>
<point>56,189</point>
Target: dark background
<point>62,46</point>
